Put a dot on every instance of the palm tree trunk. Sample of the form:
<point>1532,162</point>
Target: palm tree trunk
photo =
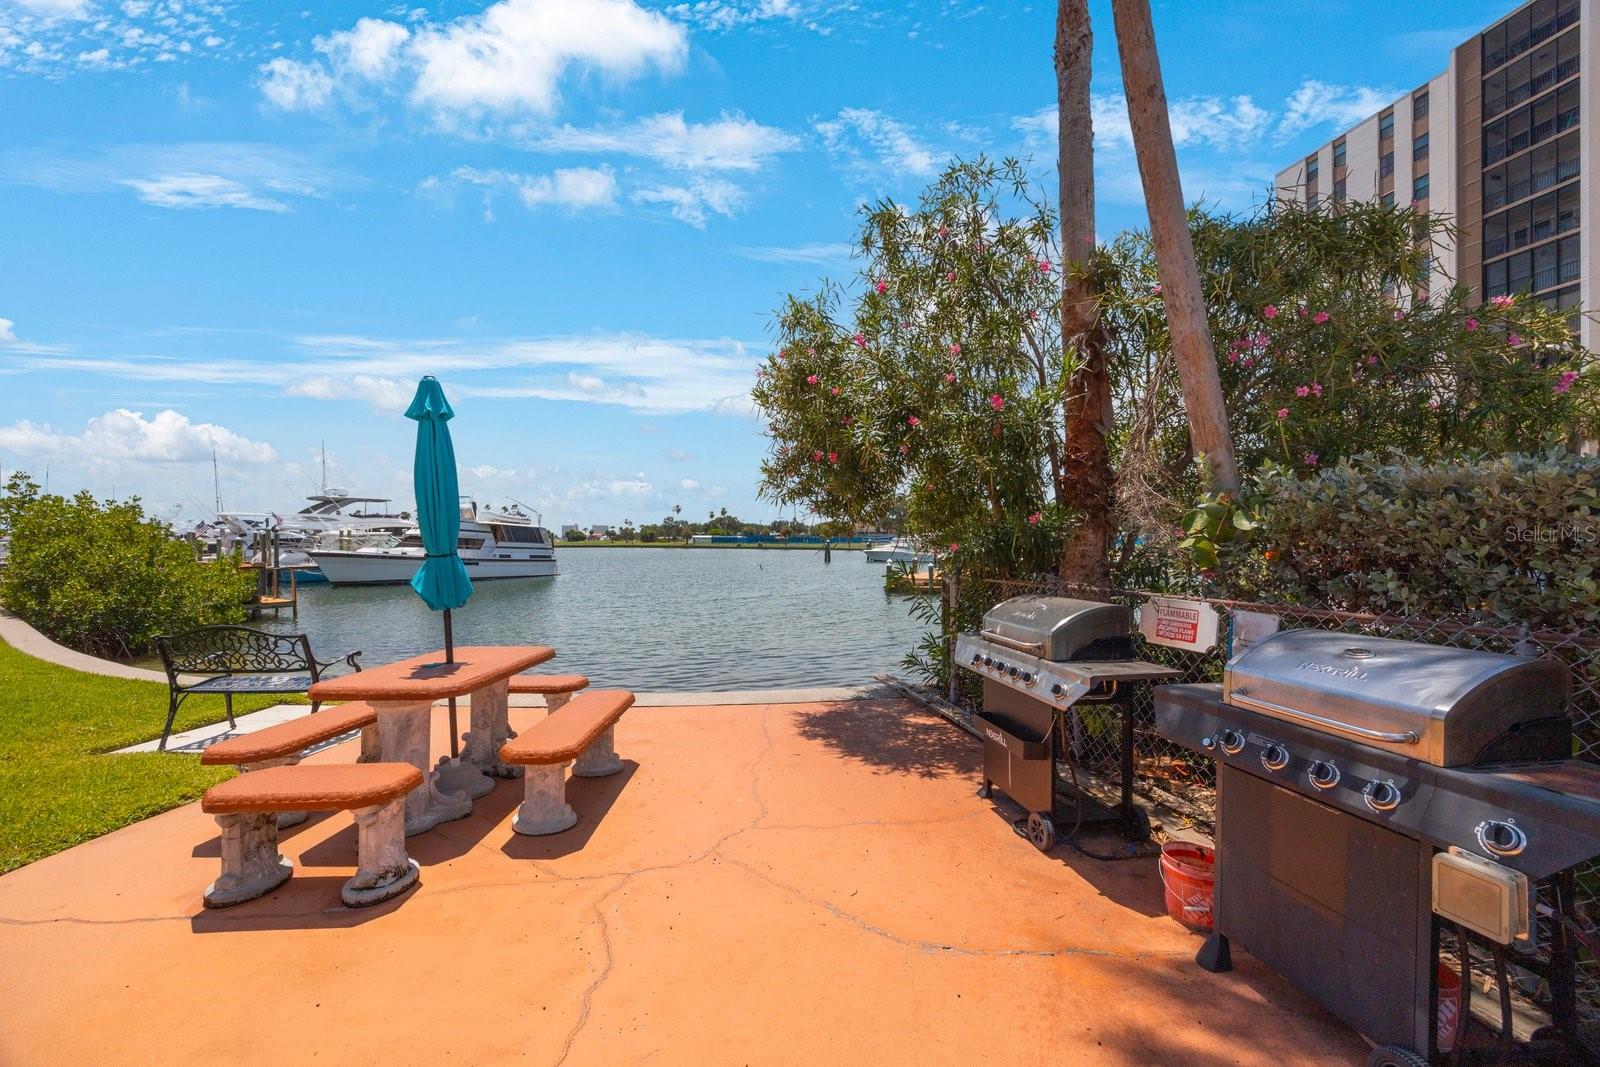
<point>1169,232</point>
<point>1085,478</point>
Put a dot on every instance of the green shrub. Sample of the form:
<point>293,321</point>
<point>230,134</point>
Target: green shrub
<point>101,577</point>
<point>1514,537</point>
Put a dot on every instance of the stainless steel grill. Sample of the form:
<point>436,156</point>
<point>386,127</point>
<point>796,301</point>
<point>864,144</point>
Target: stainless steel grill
<point>1373,794</point>
<point>1040,658</point>
<point>1450,707</point>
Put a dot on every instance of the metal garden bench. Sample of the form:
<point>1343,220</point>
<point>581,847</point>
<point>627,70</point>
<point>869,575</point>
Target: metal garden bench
<point>238,659</point>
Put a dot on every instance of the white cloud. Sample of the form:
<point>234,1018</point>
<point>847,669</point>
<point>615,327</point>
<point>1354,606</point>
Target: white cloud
<point>56,38</point>
<point>1236,122</point>
<point>385,394</point>
<point>638,485</point>
<point>872,143</point>
<point>1317,103</point>
<point>295,86</point>
<point>123,435</point>
<point>508,59</point>
<point>99,57</point>
<point>257,177</point>
<point>574,188</point>
<point>689,485</point>
<point>8,332</point>
<point>819,254</point>
<point>695,202</point>
<point>370,49</point>
<point>200,190</point>
<point>731,14</point>
<point>56,8</point>
<point>731,142</point>
<point>678,455</point>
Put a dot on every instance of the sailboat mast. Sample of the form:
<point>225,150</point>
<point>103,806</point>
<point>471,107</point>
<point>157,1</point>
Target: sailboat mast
<point>216,481</point>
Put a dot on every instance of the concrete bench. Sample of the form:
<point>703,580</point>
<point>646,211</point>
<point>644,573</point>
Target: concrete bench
<point>283,745</point>
<point>246,808</point>
<point>556,689</point>
<point>583,731</point>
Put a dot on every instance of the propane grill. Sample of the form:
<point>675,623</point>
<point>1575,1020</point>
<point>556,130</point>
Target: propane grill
<point>1372,792</point>
<point>1040,659</point>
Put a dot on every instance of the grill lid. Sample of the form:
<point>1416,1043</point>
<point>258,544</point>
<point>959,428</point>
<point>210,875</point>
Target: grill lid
<point>1053,627</point>
<point>1445,706</point>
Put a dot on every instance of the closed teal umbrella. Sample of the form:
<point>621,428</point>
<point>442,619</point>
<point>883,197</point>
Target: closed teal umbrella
<point>442,580</point>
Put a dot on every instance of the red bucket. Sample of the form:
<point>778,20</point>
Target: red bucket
<point>1188,871</point>
<point>1449,1007</point>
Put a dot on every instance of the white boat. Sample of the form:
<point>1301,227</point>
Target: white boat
<point>900,550</point>
<point>493,544</point>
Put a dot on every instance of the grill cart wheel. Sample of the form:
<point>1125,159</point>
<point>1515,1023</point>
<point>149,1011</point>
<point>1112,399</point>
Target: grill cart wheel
<point>1041,831</point>
<point>1395,1056</point>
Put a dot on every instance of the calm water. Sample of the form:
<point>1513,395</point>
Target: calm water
<point>649,619</point>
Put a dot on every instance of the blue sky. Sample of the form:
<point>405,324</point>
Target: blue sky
<point>249,228</point>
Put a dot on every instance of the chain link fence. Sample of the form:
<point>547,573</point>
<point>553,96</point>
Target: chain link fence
<point>1183,781</point>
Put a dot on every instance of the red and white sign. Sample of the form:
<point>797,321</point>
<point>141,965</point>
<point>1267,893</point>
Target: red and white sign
<point>1190,624</point>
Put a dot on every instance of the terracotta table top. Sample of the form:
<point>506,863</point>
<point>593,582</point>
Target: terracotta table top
<point>428,677</point>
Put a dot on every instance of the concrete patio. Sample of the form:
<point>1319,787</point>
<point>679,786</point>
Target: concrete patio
<point>762,884</point>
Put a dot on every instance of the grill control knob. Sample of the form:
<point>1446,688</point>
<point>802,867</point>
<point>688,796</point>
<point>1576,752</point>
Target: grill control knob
<point>1208,743</point>
<point>1501,838</point>
<point>1323,774</point>
<point>985,660</point>
<point>1012,671</point>
<point>1028,679</point>
<point>977,660</point>
<point>1274,757</point>
<point>1057,690</point>
<point>1232,742</point>
<point>1381,796</point>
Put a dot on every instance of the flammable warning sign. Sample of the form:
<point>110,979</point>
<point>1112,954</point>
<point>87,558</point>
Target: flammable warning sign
<point>1190,624</point>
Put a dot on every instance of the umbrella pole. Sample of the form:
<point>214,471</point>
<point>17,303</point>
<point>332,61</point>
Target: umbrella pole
<point>450,657</point>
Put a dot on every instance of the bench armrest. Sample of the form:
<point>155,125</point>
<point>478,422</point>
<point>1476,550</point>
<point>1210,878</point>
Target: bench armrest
<point>349,658</point>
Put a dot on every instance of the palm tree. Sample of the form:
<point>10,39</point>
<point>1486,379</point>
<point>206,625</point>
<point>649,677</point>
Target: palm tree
<point>1169,233</point>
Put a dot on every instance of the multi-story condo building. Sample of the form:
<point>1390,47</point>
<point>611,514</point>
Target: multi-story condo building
<point>1504,141</point>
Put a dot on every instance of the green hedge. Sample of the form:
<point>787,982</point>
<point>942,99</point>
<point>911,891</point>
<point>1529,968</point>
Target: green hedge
<point>1515,538</point>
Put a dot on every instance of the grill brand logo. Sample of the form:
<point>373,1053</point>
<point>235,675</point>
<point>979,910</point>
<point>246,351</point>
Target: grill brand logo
<point>1353,673</point>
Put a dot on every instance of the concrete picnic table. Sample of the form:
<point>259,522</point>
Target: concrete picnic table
<point>404,693</point>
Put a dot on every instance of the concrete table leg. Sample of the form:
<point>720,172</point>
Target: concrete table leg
<point>251,863</point>
<point>600,758</point>
<point>491,729</point>
<point>544,807</point>
<point>554,702</point>
<point>403,738</point>
<point>383,869</point>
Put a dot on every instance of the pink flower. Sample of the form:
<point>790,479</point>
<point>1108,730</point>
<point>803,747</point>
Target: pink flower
<point>1502,301</point>
<point>913,422</point>
<point>948,378</point>
<point>1301,311</point>
<point>1372,361</point>
<point>1311,459</point>
<point>783,355</point>
<point>1316,389</point>
<point>1514,340</point>
<point>1320,317</point>
<point>860,341</point>
<point>955,349</point>
<point>817,454</point>
<point>834,390</point>
<point>997,402</point>
<point>811,351</point>
<point>954,547</point>
<point>1566,380</point>
<point>1249,361</point>
<point>905,449</point>
<point>848,420</point>
<point>1033,520</point>
<point>1233,357</point>
<point>944,231</point>
<point>1044,265</point>
<point>883,287</point>
<point>949,275</point>
<point>1034,315</point>
<point>1270,311</point>
<point>833,457</point>
<point>811,379</point>
<point>1302,390</point>
<point>1399,313</point>
<point>1472,324</point>
<point>1283,413</point>
<point>1156,288</point>
<point>1434,403</point>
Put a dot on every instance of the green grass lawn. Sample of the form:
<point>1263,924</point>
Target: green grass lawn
<point>57,785</point>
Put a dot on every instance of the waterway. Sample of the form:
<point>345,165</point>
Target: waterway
<point>672,620</point>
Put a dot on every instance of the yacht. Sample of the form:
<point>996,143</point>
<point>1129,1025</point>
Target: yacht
<point>900,550</point>
<point>493,544</point>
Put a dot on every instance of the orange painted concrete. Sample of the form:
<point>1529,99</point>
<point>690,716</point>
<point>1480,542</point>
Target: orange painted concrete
<point>784,884</point>
<point>428,677</point>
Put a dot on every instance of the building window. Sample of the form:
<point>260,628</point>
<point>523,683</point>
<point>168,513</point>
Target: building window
<point>1388,199</point>
<point>1311,168</point>
<point>1419,188</point>
<point>1338,153</point>
<point>1532,124</point>
<point>1419,105</point>
<point>1311,202</point>
<point>1419,147</point>
<point>1386,125</point>
<point>1338,191</point>
<point>1386,164</point>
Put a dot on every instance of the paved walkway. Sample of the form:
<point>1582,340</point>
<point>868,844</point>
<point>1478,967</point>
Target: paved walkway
<point>762,884</point>
<point>24,638</point>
